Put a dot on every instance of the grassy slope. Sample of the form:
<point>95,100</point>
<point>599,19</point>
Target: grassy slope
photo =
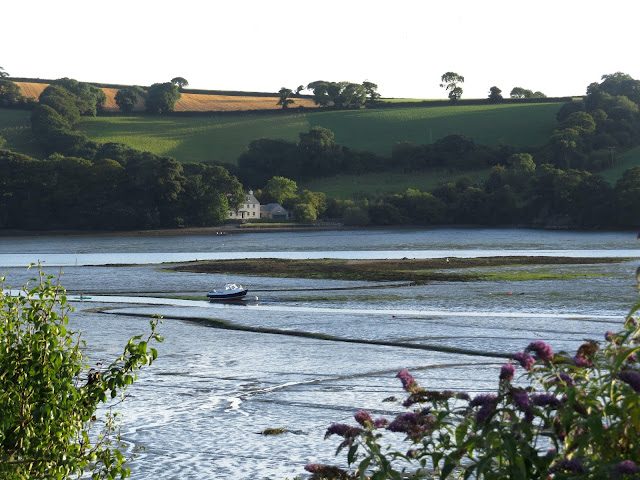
<point>624,161</point>
<point>520,125</point>
<point>194,139</point>
<point>374,185</point>
<point>223,138</point>
<point>15,128</point>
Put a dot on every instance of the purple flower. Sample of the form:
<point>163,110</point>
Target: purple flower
<point>525,361</point>
<point>507,371</point>
<point>483,400</point>
<point>463,396</point>
<point>528,415</point>
<point>342,430</point>
<point>626,467</point>
<point>415,424</point>
<point>631,378</point>
<point>485,412</point>
<point>608,335</point>
<point>487,404</point>
<point>520,399</point>
<point>542,350</point>
<point>568,465</point>
<point>408,382</point>
<point>582,362</point>
<point>363,418</point>
<point>380,422</point>
<point>545,400</point>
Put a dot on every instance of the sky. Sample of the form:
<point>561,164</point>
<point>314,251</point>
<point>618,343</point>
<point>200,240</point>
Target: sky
<point>557,47</point>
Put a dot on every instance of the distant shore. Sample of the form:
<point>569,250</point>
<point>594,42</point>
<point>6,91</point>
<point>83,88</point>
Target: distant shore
<point>271,227</point>
<point>219,230</point>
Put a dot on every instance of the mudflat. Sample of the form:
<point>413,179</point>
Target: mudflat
<point>406,269</point>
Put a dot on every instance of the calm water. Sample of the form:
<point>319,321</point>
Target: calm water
<point>199,409</point>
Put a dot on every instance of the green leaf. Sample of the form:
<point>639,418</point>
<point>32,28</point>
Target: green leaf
<point>447,469</point>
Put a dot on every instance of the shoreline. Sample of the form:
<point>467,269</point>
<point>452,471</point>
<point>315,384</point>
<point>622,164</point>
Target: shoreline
<point>275,228</point>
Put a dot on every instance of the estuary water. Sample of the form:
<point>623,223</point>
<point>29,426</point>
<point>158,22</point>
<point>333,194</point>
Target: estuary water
<point>200,408</point>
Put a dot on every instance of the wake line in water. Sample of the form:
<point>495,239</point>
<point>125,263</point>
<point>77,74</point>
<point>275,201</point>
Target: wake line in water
<point>216,323</point>
<point>333,310</point>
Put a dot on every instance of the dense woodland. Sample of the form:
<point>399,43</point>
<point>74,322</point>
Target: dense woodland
<point>86,185</point>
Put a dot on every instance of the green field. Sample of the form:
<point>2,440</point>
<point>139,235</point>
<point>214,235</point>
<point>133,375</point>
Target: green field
<point>374,185</point>
<point>222,138</point>
<point>624,161</point>
<point>15,128</point>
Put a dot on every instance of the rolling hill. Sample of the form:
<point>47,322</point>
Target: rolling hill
<point>226,123</point>
<point>221,138</point>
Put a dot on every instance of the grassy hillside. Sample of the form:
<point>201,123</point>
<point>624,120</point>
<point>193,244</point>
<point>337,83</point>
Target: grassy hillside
<point>15,128</point>
<point>194,139</point>
<point>623,162</point>
<point>377,130</point>
<point>374,185</point>
<point>222,138</point>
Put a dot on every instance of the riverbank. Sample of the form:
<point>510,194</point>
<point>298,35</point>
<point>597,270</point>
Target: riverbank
<point>406,269</point>
<point>168,232</point>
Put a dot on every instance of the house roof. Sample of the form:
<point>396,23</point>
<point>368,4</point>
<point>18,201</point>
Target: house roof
<point>273,208</point>
<point>251,198</point>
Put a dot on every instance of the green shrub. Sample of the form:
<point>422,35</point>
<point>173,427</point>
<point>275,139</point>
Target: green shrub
<point>49,395</point>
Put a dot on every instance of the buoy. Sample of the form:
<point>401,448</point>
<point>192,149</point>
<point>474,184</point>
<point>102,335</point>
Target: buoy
<point>490,293</point>
<point>510,293</point>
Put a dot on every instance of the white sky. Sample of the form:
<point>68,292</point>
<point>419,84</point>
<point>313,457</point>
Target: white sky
<point>558,47</point>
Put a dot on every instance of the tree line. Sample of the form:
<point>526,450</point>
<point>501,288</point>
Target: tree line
<point>88,185</point>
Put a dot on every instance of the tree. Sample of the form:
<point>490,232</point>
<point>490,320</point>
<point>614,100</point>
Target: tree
<point>627,197</point>
<point>371,90</point>
<point>180,82</point>
<point>3,74</point>
<point>48,395</point>
<point>62,101</point>
<point>495,95</point>
<point>285,101</point>
<point>126,99</point>
<point>89,99</point>
<point>10,93</point>
<point>338,94</point>
<point>279,189</point>
<point>305,213</point>
<point>450,82</point>
<point>621,84</point>
<point>162,97</point>
<point>581,122</point>
<point>519,92</point>
<point>299,89</point>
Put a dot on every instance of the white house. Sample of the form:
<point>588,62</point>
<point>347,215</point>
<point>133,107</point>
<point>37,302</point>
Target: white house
<point>248,210</point>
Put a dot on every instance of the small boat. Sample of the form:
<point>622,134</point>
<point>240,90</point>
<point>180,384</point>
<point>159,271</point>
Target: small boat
<point>231,291</point>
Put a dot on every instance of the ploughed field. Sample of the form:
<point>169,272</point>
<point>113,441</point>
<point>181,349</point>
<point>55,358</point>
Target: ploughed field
<point>189,102</point>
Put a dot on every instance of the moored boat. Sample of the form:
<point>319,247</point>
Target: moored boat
<point>231,291</point>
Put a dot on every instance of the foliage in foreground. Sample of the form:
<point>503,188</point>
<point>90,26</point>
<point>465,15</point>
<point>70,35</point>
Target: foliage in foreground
<point>578,416</point>
<point>49,395</point>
